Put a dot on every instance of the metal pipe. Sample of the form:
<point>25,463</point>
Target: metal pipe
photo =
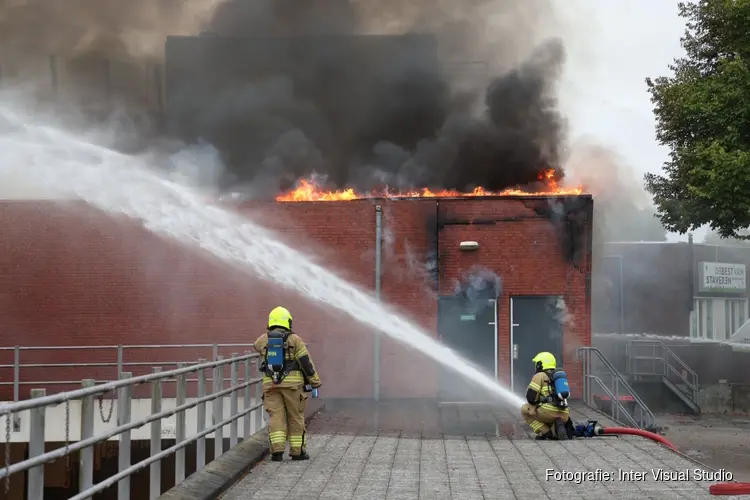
<point>179,457</point>
<point>35,486</point>
<point>200,446</point>
<point>86,461</point>
<point>124,450</point>
<point>234,377</point>
<point>155,469</point>
<point>218,413</point>
<point>247,422</point>
<point>16,372</point>
<point>378,272</point>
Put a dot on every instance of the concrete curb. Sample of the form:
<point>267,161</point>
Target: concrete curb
<point>221,474</point>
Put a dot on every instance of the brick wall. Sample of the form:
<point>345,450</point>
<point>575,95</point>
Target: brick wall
<point>526,251</point>
<point>70,275</point>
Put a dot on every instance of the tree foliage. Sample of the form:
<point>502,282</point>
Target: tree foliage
<point>703,116</point>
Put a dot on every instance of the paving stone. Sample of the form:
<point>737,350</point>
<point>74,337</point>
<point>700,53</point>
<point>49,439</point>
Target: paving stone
<point>427,465</point>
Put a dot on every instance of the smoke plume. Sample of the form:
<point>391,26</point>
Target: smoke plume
<point>477,109</point>
<point>624,211</point>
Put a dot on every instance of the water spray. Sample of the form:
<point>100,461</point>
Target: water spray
<point>116,183</point>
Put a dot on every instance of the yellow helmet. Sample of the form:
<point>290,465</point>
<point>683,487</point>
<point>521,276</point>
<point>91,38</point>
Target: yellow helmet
<point>280,317</point>
<point>544,361</point>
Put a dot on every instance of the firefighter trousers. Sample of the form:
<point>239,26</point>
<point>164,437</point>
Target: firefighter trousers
<point>286,418</point>
<point>541,420</point>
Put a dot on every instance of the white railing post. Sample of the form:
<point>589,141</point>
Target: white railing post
<point>218,383</point>
<point>123,417</point>
<point>234,370</point>
<point>258,398</point>
<point>179,459</point>
<point>86,462</point>
<point>154,473</point>
<point>120,361</point>
<point>247,376</point>
<point>200,445</point>
<point>35,485</point>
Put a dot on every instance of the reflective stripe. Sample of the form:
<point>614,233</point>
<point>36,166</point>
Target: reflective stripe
<point>277,437</point>
<point>536,425</point>
<point>551,407</point>
<point>534,386</point>
<point>300,351</point>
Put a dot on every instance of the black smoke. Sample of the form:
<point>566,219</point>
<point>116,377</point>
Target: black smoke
<point>362,112</point>
<point>298,88</point>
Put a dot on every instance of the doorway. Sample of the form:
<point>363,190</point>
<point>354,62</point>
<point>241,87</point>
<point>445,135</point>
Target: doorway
<point>535,326</point>
<point>469,327</point>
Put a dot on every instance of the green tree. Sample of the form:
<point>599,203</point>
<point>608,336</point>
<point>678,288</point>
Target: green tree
<point>703,116</point>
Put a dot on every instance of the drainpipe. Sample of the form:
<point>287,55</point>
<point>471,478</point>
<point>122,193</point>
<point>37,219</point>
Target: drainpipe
<point>378,267</point>
<point>691,288</point>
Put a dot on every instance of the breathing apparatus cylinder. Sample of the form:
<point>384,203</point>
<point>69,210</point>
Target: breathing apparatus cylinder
<point>562,389</point>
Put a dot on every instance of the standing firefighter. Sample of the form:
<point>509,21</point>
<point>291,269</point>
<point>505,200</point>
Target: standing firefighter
<point>286,368</point>
<point>547,409</point>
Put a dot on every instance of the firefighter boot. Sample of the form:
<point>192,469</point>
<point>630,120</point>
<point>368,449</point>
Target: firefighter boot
<point>301,456</point>
<point>545,436</point>
<point>571,428</point>
<point>560,429</point>
<point>277,457</point>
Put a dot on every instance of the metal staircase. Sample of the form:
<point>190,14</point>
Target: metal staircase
<point>605,388</point>
<point>652,359</point>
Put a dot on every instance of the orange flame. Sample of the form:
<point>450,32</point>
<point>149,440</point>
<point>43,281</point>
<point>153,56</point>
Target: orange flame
<point>308,190</point>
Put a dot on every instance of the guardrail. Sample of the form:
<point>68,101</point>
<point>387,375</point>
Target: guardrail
<point>117,352</point>
<point>241,367</point>
<point>641,417</point>
<point>660,360</point>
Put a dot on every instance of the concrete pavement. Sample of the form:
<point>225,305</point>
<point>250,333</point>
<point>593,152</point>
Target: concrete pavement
<point>403,451</point>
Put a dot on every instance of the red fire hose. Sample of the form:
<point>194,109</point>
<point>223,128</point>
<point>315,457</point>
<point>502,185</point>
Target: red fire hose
<point>721,489</point>
<point>639,432</point>
<point>718,489</point>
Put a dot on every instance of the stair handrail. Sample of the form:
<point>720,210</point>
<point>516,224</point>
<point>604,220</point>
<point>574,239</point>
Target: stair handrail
<point>693,389</point>
<point>620,408</point>
<point>587,350</point>
<point>692,383</point>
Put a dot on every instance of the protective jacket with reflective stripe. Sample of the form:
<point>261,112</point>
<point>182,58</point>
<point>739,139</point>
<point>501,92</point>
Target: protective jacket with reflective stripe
<point>542,385</point>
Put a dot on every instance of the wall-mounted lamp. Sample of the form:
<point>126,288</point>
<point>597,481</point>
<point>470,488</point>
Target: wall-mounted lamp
<point>467,246</point>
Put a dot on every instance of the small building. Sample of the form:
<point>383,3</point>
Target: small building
<point>671,289</point>
<point>496,278</point>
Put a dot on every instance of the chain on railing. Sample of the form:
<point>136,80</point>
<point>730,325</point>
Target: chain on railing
<point>619,387</point>
<point>242,368</point>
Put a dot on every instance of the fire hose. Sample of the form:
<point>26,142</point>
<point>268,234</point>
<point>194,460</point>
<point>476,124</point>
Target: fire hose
<point>592,428</point>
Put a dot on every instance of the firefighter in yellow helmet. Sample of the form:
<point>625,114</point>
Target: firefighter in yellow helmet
<point>547,414</point>
<point>287,368</point>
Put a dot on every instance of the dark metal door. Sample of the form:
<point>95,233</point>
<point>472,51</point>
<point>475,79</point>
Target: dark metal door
<point>468,327</point>
<point>536,326</point>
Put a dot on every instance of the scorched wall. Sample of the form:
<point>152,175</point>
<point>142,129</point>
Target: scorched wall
<point>70,275</point>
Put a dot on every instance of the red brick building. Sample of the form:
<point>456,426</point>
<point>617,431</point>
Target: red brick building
<point>70,275</point>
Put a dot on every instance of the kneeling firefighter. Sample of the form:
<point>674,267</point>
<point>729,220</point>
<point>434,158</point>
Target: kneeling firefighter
<point>546,410</point>
<point>287,371</point>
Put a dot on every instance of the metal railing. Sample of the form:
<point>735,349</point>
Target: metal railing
<point>600,377</point>
<point>653,357</point>
<point>118,354</point>
<point>241,368</point>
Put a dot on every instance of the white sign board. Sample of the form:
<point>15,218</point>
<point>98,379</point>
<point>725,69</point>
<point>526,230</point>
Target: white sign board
<point>722,277</point>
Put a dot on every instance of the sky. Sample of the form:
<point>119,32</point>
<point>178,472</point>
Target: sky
<point>613,47</point>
